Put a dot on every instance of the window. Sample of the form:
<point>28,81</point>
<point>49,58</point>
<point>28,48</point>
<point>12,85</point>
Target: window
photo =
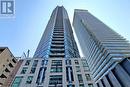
<point>78,69</point>
<point>7,70</point>
<point>29,79</point>
<point>56,66</point>
<point>88,77</point>
<point>35,63</point>
<point>81,85</point>
<point>41,75</point>
<point>55,79</point>
<point>85,65</point>
<point>3,76</point>
<point>56,69</point>
<point>86,68</point>
<point>84,62</point>
<point>14,60</point>
<point>56,62</point>
<point>90,85</point>
<point>10,65</point>
<point>69,77</point>
<point>76,62</point>
<point>32,70</point>
<point>24,70</point>
<point>68,62</point>
<point>80,78</point>
<point>34,66</point>
<point>44,62</point>
<point>17,81</point>
<point>27,62</point>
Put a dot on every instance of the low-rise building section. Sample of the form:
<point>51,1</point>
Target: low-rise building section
<point>53,72</point>
<point>7,64</point>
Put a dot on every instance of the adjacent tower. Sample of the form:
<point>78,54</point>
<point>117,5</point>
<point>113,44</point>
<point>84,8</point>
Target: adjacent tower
<point>103,49</point>
<point>57,40</point>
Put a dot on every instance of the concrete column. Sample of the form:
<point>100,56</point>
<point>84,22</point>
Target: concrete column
<point>96,85</point>
<point>126,65</point>
<point>105,81</point>
<point>122,75</point>
<point>100,84</point>
<point>113,80</point>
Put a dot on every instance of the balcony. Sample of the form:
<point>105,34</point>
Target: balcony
<point>58,37</point>
<point>57,55</point>
<point>58,34</point>
<point>57,46</point>
<point>57,27</point>
<point>58,50</point>
<point>58,42</point>
<point>59,31</point>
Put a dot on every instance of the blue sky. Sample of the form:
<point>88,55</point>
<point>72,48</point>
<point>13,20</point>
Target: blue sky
<point>25,30</point>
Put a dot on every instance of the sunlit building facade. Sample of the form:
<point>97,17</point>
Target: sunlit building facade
<point>53,72</point>
<point>56,62</point>
<point>58,39</point>
<point>7,65</point>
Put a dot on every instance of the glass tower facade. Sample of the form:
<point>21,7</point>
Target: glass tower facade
<point>57,40</point>
<point>103,49</point>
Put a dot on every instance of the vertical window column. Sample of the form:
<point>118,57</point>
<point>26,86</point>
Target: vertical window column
<point>69,74</point>
<point>34,66</point>
<point>42,71</point>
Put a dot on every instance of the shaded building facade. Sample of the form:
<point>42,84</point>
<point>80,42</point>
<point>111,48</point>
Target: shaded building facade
<point>104,49</point>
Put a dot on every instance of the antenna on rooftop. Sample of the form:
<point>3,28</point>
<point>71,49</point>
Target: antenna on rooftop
<point>28,53</point>
<point>23,55</point>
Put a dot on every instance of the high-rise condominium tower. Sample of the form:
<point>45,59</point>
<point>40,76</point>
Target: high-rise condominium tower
<point>57,40</point>
<point>103,49</point>
<point>56,62</point>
